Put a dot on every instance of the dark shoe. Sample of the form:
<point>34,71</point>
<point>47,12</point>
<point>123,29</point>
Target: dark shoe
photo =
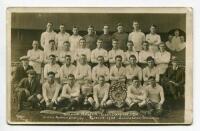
<point>125,109</point>
<point>91,109</point>
<point>135,107</point>
<point>104,111</point>
<point>64,109</point>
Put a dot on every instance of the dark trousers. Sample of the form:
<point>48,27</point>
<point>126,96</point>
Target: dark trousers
<point>155,109</point>
<point>66,102</point>
<point>22,98</point>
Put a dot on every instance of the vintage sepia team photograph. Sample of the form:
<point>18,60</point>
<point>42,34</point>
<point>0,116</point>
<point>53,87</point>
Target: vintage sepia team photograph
<point>102,66</point>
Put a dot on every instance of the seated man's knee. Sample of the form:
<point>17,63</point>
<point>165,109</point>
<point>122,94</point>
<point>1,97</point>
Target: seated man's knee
<point>142,104</point>
<point>39,97</point>
<point>109,103</point>
<point>128,101</point>
<point>91,100</point>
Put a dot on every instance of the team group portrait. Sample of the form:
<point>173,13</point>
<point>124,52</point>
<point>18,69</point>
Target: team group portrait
<point>98,63</point>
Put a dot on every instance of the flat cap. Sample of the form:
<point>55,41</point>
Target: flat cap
<point>31,71</point>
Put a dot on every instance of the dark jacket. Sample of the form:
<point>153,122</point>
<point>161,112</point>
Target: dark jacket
<point>34,87</point>
<point>20,73</point>
<point>177,76</point>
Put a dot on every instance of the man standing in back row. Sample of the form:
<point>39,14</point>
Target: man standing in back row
<point>91,38</point>
<point>61,37</point>
<point>107,38</point>
<point>121,36</point>
<point>137,36</point>
<point>46,36</point>
<point>74,39</point>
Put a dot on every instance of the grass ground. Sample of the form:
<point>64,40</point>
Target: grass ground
<point>176,115</point>
<point>113,115</point>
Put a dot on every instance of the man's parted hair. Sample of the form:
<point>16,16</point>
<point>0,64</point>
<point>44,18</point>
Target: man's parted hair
<point>71,75</point>
<point>66,42</point>
<point>91,26</point>
<point>100,56</point>
<point>135,78</point>
<point>114,39</point>
<point>74,26</point>
<point>51,41</point>
<point>150,58</point>
<point>101,76</point>
<point>100,39</point>
<point>151,78</point>
<point>82,39</point>
<point>132,56</point>
<point>130,42</point>
<point>51,73</point>
<point>68,56</point>
<point>118,56</point>
<point>153,25</point>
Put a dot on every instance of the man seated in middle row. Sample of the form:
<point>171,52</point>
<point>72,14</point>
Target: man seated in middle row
<point>66,69</point>
<point>133,70</point>
<point>66,51</point>
<point>150,70</point>
<point>99,51</point>
<point>83,71</point>
<point>117,71</point>
<point>115,52</point>
<point>100,69</point>
<point>52,66</point>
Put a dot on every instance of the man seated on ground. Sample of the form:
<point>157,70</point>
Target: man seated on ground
<point>114,52</point>
<point>70,95</point>
<point>155,97</point>
<point>99,51</point>
<point>66,51</point>
<point>52,66</point>
<point>136,95</point>
<point>83,71</point>
<point>51,50</point>
<point>21,70</point>
<point>82,50</point>
<point>50,91</point>
<point>29,90</point>
<point>118,72</point>
<point>144,54</point>
<point>150,70</point>
<point>101,95</point>
<point>129,52</point>
<point>66,69</point>
<point>100,69</point>
<point>174,80</point>
<point>133,70</point>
